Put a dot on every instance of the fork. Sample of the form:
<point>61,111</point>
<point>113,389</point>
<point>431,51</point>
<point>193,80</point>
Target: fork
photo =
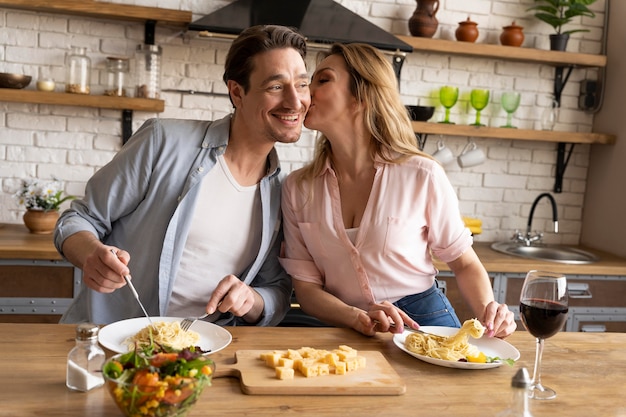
<point>189,321</point>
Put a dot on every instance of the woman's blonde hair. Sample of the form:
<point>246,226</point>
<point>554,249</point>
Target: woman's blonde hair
<point>372,82</point>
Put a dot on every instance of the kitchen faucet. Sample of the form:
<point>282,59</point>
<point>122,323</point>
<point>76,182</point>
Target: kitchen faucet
<point>528,239</point>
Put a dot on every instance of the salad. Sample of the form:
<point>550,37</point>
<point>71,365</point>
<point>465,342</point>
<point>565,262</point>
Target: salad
<point>158,382</point>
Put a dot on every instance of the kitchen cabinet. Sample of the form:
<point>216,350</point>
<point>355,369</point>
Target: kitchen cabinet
<point>150,16</point>
<point>596,302</point>
<point>596,291</point>
<point>36,283</point>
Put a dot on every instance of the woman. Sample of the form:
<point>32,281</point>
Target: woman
<point>362,219</point>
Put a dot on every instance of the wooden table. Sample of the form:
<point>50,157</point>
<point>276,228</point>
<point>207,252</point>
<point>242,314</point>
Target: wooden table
<point>588,370</point>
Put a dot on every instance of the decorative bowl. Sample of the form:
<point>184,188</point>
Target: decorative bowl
<point>164,385</point>
<point>420,113</point>
<point>14,80</point>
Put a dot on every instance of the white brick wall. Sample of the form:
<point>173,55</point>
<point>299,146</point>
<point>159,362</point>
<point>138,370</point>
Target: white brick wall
<point>72,142</point>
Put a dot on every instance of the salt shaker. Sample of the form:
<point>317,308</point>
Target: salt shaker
<point>85,360</point>
<point>519,403</point>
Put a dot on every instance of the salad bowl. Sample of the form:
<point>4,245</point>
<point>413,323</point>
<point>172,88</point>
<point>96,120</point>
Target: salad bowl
<point>165,384</point>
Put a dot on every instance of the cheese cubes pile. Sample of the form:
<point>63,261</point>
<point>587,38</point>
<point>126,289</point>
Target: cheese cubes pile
<point>312,362</point>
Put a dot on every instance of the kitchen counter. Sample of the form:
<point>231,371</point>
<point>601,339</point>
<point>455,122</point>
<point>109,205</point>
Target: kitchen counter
<point>499,262</point>
<point>582,367</point>
<point>17,243</point>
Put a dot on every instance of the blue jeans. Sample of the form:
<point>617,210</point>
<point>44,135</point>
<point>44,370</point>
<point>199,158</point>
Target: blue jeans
<point>429,308</point>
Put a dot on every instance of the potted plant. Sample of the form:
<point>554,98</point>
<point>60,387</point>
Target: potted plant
<point>42,201</point>
<point>558,13</point>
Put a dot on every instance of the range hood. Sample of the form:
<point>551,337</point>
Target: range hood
<point>320,21</point>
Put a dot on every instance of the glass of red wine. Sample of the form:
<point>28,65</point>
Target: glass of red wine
<point>543,309</point>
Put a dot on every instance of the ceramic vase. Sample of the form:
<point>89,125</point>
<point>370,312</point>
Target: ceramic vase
<point>467,31</point>
<point>512,35</point>
<point>41,222</point>
<point>423,22</point>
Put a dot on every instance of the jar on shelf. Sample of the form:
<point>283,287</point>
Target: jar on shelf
<point>148,71</point>
<point>78,71</point>
<point>467,31</point>
<point>117,75</point>
<point>512,35</point>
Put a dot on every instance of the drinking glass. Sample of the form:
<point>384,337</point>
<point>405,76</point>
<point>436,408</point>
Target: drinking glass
<point>479,98</point>
<point>510,102</point>
<point>543,309</point>
<point>448,96</point>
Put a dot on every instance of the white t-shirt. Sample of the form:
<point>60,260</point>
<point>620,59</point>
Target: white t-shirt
<point>224,238</point>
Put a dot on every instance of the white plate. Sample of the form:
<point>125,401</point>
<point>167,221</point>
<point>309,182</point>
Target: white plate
<point>212,337</point>
<point>490,346</point>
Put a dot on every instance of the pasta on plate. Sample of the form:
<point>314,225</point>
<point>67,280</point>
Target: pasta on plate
<point>452,348</point>
<point>165,334</point>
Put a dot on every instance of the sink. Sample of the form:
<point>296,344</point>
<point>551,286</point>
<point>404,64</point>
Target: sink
<point>552,253</point>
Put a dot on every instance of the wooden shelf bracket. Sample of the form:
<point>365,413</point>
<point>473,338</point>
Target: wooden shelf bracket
<point>127,125</point>
<point>560,81</point>
<point>561,164</point>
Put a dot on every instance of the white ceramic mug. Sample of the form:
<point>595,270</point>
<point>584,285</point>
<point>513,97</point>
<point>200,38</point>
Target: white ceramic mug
<point>471,156</point>
<point>443,154</point>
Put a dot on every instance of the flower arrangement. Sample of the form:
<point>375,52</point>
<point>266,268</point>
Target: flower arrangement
<point>36,195</point>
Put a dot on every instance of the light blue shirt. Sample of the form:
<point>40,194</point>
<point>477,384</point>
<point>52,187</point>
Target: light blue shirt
<point>142,201</point>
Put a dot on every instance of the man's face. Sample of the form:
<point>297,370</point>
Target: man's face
<point>278,98</point>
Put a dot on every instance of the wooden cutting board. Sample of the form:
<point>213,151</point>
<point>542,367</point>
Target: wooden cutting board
<point>377,378</point>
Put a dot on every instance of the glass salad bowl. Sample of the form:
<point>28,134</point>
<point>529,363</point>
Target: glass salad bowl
<point>159,385</point>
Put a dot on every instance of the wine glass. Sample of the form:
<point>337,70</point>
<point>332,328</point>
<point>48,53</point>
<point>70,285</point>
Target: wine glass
<point>479,98</point>
<point>543,309</point>
<point>510,102</point>
<point>448,96</point>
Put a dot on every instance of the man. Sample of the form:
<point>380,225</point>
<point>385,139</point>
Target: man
<point>192,208</point>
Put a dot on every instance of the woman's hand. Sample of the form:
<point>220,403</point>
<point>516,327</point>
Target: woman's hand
<point>383,317</point>
<point>498,320</point>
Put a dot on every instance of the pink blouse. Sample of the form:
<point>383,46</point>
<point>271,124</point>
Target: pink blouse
<point>412,210</point>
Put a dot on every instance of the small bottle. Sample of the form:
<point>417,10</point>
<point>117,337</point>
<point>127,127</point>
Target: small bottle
<point>148,71</point>
<point>78,67</point>
<point>117,73</point>
<point>85,360</point>
<point>550,115</point>
<point>519,402</point>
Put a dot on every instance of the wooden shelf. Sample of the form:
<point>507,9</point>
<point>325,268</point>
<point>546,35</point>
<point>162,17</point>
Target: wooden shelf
<point>509,53</point>
<point>82,100</point>
<point>433,128</point>
<point>98,9</point>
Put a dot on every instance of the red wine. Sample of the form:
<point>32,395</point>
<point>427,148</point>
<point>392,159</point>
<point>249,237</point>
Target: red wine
<point>543,318</point>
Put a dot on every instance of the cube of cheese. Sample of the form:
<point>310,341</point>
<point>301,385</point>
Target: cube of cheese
<point>309,371</point>
<point>284,373</point>
<point>286,363</point>
<point>340,368</point>
<point>271,359</point>
<point>293,354</point>
<point>362,361</point>
<point>323,369</point>
<point>331,359</point>
<point>352,364</point>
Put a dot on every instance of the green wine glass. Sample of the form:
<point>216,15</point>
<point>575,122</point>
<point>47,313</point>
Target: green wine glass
<point>448,96</point>
<point>510,102</point>
<point>479,98</point>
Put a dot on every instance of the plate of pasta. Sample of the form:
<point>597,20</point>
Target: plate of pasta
<point>454,349</point>
<point>122,335</point>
